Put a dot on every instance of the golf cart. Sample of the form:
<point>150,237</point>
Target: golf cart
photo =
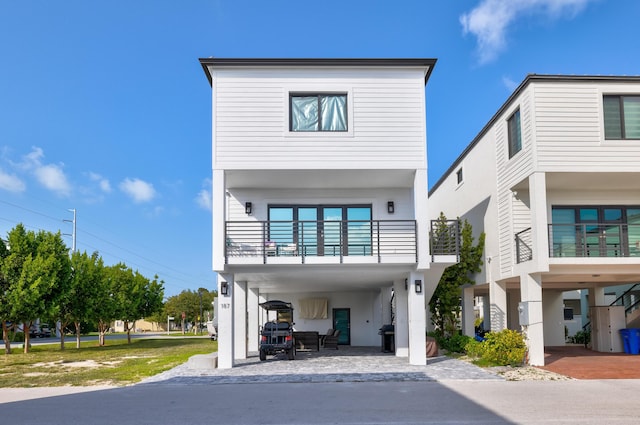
<point>277,333</point>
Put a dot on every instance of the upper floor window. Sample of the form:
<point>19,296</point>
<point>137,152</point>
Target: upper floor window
<point>318,112</point>
<point>621,117</point>
<point>515,134</point>
<point>459,176</point>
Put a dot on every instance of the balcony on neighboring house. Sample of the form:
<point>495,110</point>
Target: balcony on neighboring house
<point>594,240</point>
<point>331,241</point>
<point>524,250</point>
<point>444,241</point>
<point>584,240</point>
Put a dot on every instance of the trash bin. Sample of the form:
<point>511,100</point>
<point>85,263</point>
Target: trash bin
<point>634,340</point>
<point>624,333</point>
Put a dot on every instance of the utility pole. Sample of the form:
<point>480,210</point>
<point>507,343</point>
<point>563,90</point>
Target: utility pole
<point>73,233</point>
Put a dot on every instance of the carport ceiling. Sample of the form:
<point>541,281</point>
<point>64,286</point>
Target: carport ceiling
<point>312,278</point>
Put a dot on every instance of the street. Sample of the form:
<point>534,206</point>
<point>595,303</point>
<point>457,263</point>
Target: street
<point>448,402</point>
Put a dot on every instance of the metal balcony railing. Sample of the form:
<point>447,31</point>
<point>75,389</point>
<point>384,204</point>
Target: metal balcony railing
<point>524,251</point>
<point>594,240</point>
<point>322,238</point>
<point>444,238</point>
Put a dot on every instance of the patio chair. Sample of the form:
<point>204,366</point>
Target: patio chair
<point>331,341</point>
<point>322,337</point>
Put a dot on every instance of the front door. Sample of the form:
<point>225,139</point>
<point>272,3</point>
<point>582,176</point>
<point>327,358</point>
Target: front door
<point>342,323</point>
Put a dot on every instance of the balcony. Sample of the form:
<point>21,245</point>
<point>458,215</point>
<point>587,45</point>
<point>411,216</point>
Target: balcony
<point>321,241</point>
<point>330,242</point>
<point>594,240</point>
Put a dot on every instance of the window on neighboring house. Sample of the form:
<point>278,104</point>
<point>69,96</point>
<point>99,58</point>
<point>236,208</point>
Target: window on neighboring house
<point>459,175</point>
<point>515,134</point>
<point>318,112</point>
<point>621,117</point>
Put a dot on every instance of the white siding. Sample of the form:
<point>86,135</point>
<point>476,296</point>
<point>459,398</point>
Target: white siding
<point>510,171</point>
<point>386,120</point>
<point>570,129</point>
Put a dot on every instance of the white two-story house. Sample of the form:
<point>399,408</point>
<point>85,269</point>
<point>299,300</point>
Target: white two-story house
<point>554,181</point>
<point>320,198</point>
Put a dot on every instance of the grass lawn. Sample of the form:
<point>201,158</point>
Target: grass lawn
<point>116,363</point>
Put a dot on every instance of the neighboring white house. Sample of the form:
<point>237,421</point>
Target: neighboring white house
<point>320,198</point>
<point>554,181</point>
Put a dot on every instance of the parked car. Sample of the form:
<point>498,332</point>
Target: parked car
<point>40,331</point>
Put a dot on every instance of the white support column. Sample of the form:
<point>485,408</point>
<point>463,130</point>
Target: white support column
<point>253,320</point>
<point>219,217</point>
<point>596,297</point>
<point>417,320</point>
<point>401,326</point>
<point>225,323</point>
<point>531,296</point>
<point>421,214</point>
<point>498,305</point>
<point>553,313</point>
<point>468,312</point>
<point>539,220</point>
<point>240,320</point>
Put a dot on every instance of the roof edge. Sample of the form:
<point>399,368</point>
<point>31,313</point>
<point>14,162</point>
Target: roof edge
<point>316,62</point>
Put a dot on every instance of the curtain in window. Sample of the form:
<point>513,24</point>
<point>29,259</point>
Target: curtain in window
<point>631,117</point>
<point>304,113</point>
<point>334,113</point>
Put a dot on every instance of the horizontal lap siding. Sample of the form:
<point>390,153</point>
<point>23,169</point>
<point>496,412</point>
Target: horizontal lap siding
<point>251,120</point>
<point>511,217</point>
<point>570,136</point>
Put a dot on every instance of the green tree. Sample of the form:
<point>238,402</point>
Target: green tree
<point>104,310</point>
<point>4,303</point>
<point>136,296</point>
<point>445,302</point>
<point>79,303</point>
<point>37,270</point>
<point>189,302</point>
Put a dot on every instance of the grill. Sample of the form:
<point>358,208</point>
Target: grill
<point>387,338</point>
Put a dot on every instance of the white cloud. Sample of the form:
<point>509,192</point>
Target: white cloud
<point>139,190</point>
<point>11,183</point>
<point>104,184</point>
<point>510,84</point>
<point>490,20</point>
<point>50,176</point>
<point>204,198</point>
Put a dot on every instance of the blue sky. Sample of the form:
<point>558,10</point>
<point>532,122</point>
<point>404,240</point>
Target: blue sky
<point>104,107</point>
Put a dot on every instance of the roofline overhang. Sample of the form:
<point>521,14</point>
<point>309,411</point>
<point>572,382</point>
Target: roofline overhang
<point>206,63</point>
<point>531,78</point>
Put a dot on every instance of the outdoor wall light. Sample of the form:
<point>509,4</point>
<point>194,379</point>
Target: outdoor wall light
<point>248,208</point>
<point>418,284</point>
<point>391,208</point>
<point>406,284</point>
<point>224,288</point>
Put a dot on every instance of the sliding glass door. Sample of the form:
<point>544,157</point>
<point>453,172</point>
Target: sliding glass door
<point>321,230</point>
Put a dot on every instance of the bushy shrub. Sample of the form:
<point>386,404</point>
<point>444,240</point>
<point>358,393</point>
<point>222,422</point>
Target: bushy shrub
<point>504,348</point>
<point>474,349</point>
<point>581,337</point>
<point>454,344</point>
<point>457,343</point>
